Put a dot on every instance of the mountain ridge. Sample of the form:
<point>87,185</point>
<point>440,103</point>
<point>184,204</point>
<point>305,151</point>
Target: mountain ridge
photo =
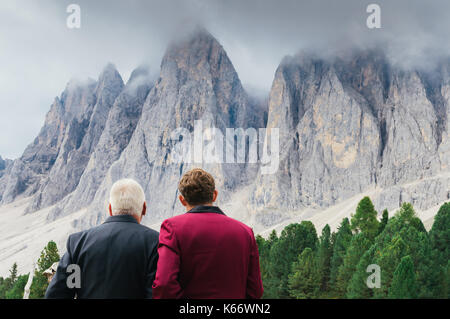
<point>346,125</point>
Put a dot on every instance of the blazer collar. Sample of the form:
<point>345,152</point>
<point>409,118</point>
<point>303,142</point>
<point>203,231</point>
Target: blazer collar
<point>206,209</point>
<point>121,218</point>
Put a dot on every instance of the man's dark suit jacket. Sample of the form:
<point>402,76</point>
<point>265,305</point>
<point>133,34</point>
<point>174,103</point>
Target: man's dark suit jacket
<point>117,259</point>
<point>205,254</point>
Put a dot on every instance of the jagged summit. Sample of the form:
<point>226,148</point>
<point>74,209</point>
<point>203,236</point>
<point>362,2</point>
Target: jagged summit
<point>198,52</point>
<point>189,36</point>
<point>140,71</point>
<point>119,127</point>
<point>110,75</point>
<point>191,49</point>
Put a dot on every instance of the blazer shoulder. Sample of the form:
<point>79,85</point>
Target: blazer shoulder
<point>176,219</point>
<point>148,231</point>
<point>74,240</point>
<point>245,226</point>
<point>75,237</point>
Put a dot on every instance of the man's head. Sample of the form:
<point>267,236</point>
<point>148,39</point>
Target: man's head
<point>127,198</point>
<point>197,187</point>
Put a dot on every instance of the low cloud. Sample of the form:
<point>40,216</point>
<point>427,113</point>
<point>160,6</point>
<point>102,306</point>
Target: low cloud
<point>40,54</point>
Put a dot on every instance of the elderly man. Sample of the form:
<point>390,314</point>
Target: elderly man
<point>114,260</point>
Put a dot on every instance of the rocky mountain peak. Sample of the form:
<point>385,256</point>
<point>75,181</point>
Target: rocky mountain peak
<point>199,60</point>
<point>110,76</point>
<point>195,39</point>
<point>198,52</point>
<point>110,83</point>
<point>86,113</point>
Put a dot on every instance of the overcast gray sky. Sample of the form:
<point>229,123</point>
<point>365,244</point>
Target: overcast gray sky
<point>39,54</point>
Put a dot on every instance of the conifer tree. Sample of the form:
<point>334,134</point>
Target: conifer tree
<point>49,255</point>
<point>440,235</point>
<point>13,273</point>
<point>384,221</point>
<point>404,284</point>
<point>404,235</point>
<point>6,284</point>
<point>264,247</point>
<point>324,252</point>
<point>440,239</point>
<point>293,239</point>
<point>365,218</point>
<point>357,287</point>
<point>340,245</point>
<point>359,244</point>
<point>304,282</point>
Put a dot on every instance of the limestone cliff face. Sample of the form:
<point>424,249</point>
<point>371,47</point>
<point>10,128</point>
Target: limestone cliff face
<point>80,139</point>
<point>120,125</point>
<point>411,126</point>
<point>329,138</point>
<point>197,82</point>
<point>39,157</point>
<point>353,124</point>
<point>444,91</point>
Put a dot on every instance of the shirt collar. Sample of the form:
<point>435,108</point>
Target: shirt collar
<point>121,218</point>
<point>206,209</point>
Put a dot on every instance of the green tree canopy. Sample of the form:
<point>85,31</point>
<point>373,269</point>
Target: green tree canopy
<point>6,284</point>
<point>48,256</point>
<point>284,251</point>
<point>440,239</point>
<point>324,252</point>
<point>440,235</point>
<point>365,218</point>
<point>16,292</point>
<point>264,247</point>
<point>341,242</point>
<point>384,221</point>
<point>357,287</point>
<point>359,244</point>
<point>304,282</point>
<point>404,235</point>
<point>404,284</point>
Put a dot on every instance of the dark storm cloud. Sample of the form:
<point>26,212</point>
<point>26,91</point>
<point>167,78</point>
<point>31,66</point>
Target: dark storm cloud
<point>39,54</point>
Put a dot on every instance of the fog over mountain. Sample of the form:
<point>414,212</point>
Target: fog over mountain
<point>41,54</point>
<point>346,125</point>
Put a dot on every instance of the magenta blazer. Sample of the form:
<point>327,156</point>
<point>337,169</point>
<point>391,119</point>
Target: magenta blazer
<point>205,254</point>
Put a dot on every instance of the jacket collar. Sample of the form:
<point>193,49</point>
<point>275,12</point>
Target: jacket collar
<point>206,209</point>
<point>121,218</point>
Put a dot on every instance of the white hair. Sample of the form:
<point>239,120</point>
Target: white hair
<point>127,197</point>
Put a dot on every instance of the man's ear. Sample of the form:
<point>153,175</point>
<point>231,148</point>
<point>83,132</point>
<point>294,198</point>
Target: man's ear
<point>182,200</point>
<point>110,210</point>
<point>215,193</point>
<point>144,209</point>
